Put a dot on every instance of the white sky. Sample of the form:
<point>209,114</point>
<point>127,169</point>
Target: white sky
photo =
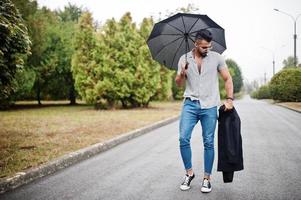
<point>251,26</point>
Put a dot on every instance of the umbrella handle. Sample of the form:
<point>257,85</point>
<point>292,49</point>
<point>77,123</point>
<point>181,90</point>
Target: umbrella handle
<point>186,65</point>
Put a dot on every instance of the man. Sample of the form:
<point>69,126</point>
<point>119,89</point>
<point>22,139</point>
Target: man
<point>201,98</point>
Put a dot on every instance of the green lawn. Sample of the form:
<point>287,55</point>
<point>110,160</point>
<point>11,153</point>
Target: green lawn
<point>32,135</point>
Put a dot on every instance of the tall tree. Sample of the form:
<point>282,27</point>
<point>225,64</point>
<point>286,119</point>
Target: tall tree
<point>163,89</point>
<point>136,76</point>
<point>69,18</point>
<point>15,44</point>
<point>82,60</point>
<point>71,12</point>
<point>148,71</point>
<point>41,60</point>
<point>123,52</point>
<point>25,77</point>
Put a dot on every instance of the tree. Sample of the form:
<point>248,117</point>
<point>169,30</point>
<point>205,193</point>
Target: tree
<point>69,18</point>
<point>237,79</point>
<point>236,75</point>
<point>177,92</point>
<point>70,13</point>
<point>289,62</point>
<point>25,77</point>
<point>83,64</point>
<point>129,74</point>
<point>117,66</point>
<point>40,61</point>
<point>163,91</point>
<point>26,8</point>
<point>148,72</point>
<point>15,44</point>
<point>49,67</point>
<point>57,61</point>
<point>191,8</point>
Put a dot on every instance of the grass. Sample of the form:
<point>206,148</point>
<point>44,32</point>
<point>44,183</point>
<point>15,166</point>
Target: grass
<point>31,135</point>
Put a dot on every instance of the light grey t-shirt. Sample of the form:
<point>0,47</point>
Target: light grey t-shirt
<point>203,86</point>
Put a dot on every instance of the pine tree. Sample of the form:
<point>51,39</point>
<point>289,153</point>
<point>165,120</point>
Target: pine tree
<point>164,88</point>
<point>83,65</point>
<point>129,75</point>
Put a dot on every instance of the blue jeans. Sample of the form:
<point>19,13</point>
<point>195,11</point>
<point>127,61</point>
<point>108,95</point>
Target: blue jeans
<point>191,114</point>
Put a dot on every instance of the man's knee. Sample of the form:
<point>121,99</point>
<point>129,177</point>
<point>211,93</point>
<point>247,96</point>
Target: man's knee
<point>208,143</point>
<point>184,141</point>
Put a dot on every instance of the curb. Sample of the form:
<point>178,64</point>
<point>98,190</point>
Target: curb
<point>69,159</point>
<point>288,108</point>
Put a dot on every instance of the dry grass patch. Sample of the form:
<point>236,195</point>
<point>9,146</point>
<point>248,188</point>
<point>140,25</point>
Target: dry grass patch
<point>292,105</point>
<point>32,136</point>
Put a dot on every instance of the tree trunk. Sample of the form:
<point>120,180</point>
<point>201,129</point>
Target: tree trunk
<point>39,92</point>
<point>111,104</point>
<point>72,96</point>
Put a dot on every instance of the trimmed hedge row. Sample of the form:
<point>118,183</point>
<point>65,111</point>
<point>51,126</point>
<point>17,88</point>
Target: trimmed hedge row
<point>284,86</point>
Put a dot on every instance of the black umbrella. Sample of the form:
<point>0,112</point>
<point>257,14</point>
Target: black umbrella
<point>174,36</point>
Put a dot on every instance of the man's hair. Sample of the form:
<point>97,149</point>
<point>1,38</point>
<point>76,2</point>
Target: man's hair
<point>203,34</point>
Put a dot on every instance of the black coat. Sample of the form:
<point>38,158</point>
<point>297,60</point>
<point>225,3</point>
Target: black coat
<point>230,155</point>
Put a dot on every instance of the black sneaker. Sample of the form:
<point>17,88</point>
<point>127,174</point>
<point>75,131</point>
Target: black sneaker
<point>206,186</point>
<point>186,183</point>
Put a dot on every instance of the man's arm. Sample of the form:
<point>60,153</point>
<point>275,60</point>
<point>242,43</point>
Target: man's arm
<point>224,72</point>
<point>180,78</point>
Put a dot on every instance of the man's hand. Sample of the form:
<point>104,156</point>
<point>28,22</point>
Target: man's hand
<point>180,79</point>
<point>225,74</point>
<point>228,104</point>
<point>183,72</point>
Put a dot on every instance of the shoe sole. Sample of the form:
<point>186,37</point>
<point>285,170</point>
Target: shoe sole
<point>184,189</point>
<point>206,190</point>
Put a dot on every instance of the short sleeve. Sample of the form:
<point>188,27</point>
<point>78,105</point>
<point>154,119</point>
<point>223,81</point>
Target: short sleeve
<point>221,63</point>
<point>180,64</point>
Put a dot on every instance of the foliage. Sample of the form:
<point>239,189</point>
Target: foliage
<point>289,62</point>
<point>15,44</point>
<point>286,85</point>
<point>262,93</point>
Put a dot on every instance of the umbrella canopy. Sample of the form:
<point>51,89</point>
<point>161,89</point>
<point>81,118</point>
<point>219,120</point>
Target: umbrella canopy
<point>174,36</point>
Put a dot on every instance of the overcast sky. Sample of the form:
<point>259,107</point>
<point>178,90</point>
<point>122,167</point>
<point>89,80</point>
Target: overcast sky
<point>251,26</point>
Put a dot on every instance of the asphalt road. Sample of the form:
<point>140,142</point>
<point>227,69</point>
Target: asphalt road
<point>150,167</point>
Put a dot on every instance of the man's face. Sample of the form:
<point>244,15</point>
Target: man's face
<point>202,46</point>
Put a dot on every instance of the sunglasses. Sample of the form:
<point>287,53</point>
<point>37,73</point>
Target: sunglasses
<point>204,47</point>
<point>207,47</point>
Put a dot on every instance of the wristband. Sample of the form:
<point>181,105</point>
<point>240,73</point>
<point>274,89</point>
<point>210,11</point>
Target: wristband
<point>230,98</point>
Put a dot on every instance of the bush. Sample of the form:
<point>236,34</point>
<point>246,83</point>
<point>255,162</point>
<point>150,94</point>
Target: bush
<point>262,93</point>
<point>286,85</point>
